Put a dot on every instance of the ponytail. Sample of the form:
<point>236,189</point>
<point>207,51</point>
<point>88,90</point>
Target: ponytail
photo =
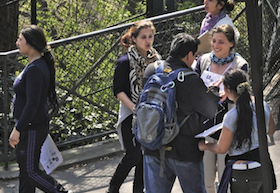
<point>244,123</point>
<point>228,5</point>
<point>236,80</point>
<point>53,103</point>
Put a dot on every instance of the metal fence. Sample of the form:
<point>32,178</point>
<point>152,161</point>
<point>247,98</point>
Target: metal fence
<point>85,67</point>
<point>271,56</point>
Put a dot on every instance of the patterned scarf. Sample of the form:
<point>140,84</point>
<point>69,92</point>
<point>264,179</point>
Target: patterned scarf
<point>138,65</point>
<point>210,22</point>
<point>222,61</point>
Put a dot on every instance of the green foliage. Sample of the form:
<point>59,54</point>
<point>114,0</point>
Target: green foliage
<point>62,19</point>
<point>185,5</point>
<point>84,73</point>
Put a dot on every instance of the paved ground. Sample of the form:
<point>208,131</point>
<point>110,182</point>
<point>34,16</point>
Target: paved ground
<point>93,175</point>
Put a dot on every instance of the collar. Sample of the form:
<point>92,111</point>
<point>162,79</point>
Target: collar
<point>176,63</point>
<point>222,61</point>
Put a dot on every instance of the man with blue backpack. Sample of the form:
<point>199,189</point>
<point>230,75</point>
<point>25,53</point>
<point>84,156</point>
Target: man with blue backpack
<point>182,157</point>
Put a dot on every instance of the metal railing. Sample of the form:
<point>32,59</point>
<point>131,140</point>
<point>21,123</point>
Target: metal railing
<point>85,68</point>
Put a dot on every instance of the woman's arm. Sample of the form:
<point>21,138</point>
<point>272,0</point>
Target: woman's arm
<point>271,126</point>
<point>221,146</point>
<point>125,100</point>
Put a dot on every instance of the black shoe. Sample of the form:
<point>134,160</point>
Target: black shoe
<point>113,189</point>
<point>61,189</point>
<point>138,191</point>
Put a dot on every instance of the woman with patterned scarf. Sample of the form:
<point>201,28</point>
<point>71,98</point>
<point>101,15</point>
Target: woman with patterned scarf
<point>217,15</point>
<point>211,67</point>
<point>127,86</point>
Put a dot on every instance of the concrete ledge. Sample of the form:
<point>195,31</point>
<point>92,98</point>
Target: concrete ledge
<point>72,156</point>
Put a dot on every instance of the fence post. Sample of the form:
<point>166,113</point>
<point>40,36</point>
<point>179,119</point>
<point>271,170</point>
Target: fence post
<point>5,111</point>
<point>33,12</point>
<point>254,22</point>
<point>170,4</point>
<point>155,7</point>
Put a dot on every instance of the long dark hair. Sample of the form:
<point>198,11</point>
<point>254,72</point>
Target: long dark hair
<point>227,5</point>
<point>236,80</point>
<point>36,38</point>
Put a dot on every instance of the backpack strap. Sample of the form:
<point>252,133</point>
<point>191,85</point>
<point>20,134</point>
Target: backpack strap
<point>180,74</point>
<point>162,160</point>
<point>159,66</point>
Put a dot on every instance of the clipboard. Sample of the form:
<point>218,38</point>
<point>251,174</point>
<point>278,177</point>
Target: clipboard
<point>205,43</point>
<point>209,131</point>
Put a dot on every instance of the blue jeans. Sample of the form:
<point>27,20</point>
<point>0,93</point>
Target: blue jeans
<point>190,175</point>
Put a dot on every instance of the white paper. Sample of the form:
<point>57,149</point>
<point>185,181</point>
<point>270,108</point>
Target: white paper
<point>50,157</point>
<point>209,78</point>
<point>209,131</point>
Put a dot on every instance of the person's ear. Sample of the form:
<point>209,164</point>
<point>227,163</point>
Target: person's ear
<point>133,39</point>
<point>221,5</point>
<point>190,55</point>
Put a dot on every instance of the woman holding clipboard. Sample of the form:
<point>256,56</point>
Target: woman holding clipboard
<point>211,67</point>
<point>239,137</point>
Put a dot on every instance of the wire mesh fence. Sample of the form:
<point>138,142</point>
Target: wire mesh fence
<point>85,67</point>
<point>271,57</point>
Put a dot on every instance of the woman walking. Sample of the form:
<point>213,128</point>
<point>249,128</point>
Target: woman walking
<point>34,95</point>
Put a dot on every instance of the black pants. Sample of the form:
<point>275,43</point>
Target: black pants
<point>132,157</point>
<point>28,155</point>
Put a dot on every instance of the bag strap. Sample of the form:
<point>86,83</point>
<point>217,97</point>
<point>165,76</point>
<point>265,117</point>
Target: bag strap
<point>184,120</point>
<point>179,73</point>
<point>159,66</point>
<point>162,160</point>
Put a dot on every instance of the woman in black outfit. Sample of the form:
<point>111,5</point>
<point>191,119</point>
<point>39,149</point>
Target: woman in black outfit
<point>35,94</point>
<point>129,70</point>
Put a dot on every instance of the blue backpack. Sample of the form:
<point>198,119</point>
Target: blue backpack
<point>156,120</point>
<point>155,117</point>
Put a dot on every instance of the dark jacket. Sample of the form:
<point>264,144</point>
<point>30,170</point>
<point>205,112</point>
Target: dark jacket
<point>121,77</point>
<point>193,99</point>
<point>30,102</point>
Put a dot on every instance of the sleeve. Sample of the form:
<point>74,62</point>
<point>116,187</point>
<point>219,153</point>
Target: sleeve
<point>206,102</point>
<point>121,76</point>
<point>230,119</point>
<point>197,68</point>
<point>34,87</point>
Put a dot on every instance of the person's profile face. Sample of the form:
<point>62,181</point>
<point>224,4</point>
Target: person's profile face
<point>22,45</point>
<point>212,7</point>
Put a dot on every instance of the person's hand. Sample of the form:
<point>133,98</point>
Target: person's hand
<point>223,96</point>
<point>202,145</point>
<point>14,138</point>
<point>217,84</point>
